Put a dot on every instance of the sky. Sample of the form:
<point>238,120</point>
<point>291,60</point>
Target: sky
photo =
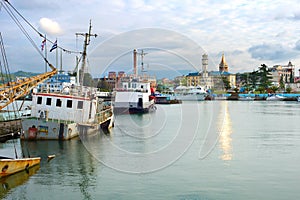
<point>173,34</point>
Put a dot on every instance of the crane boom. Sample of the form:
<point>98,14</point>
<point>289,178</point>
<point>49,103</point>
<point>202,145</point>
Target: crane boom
<point>11,91</point>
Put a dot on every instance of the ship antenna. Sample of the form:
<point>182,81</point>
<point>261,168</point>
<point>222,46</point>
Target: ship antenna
<point>87,37</point>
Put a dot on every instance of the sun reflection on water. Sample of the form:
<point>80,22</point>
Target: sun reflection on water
<point>225,135</point>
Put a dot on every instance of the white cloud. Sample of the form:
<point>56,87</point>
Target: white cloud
<point>50,26</point>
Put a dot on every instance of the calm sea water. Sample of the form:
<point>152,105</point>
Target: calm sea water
<point>203,150</point>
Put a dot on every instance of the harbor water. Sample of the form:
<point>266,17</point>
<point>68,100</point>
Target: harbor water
<point>194,150</point>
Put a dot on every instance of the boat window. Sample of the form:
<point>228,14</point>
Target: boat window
<point>58,102</point>
<point>48,102</point>
<point>80,105</point>
<point>39,100</point>
<point>69,103</point>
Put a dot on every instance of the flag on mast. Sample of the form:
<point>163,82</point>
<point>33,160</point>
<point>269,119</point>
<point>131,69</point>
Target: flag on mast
<point>43,44</point>
<point>54,46</point>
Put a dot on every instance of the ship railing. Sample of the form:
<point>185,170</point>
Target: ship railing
<point>104,115</point>
<point>131,90</point>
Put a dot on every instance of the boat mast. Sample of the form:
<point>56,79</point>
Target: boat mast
<point>85,44</point>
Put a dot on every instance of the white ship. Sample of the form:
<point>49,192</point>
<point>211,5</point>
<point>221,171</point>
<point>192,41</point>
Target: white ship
<point>191,93</point>
<point>133,93</point>
<point>132,97</point>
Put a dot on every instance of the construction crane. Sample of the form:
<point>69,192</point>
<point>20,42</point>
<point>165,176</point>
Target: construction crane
<point>11,91</point>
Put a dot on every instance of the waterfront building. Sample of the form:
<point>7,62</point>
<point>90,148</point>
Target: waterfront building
<point>211,79</point>
<point>57,83</point>
<point>114,77</point>
<point>284,72</point>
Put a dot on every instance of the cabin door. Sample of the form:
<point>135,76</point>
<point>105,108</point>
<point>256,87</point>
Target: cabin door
<point>140,103</point>
<point>61,131</point>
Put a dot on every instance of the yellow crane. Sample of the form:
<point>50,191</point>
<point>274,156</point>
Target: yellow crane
<point>11,91</point>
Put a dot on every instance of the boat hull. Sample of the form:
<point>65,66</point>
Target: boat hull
<point>134,110</point>
<point>12,166</point>
<point>38,129</point>
<point>198,97</point>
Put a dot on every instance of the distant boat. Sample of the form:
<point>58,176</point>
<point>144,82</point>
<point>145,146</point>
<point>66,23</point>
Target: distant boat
<point>275,97</point>
<point>190,93</point>
<point>133,96</point>
<point>11,166</point>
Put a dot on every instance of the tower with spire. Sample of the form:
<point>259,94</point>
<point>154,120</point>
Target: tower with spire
<point>223,67</point>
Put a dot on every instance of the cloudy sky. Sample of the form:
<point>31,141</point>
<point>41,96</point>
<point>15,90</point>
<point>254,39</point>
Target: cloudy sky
<point>173,33</point>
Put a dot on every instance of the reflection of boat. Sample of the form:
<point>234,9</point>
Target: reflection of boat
<point>9,182</point>
<point>10,166</point>
<point>191,93</point>
<point>275,97</point>
<point>246,98</point>
<point>166,99</point>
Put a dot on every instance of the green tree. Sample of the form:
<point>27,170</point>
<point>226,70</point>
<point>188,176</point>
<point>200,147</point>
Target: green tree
<point>265,77</point>
<point>103,85</point>
<point>291,77</point>
<point>226,83</point>
<point>281,83</point>
<point>288,89</point>
<point>253,79</point>
<point>274,88</point>
<point>88,80</point>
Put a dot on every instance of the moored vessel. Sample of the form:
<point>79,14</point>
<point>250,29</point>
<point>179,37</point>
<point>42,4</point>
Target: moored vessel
<point>191,93</point>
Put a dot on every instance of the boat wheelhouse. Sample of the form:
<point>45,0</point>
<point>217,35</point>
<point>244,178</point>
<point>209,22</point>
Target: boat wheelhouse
<point>133,97</point>
<point>64,115</point>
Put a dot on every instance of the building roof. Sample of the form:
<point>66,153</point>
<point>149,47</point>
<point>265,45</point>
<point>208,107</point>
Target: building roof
<point>193,74</point>
<point>216,73</point>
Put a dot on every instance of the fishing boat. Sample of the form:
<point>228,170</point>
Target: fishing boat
<point>190,93</point>
<point>61,114</point>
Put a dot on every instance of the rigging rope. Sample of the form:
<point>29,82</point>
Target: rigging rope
<point>6,74</point>
<point>10,12</point>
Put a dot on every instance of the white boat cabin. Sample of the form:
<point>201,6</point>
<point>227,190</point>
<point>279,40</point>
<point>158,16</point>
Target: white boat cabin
<point>63,107</point>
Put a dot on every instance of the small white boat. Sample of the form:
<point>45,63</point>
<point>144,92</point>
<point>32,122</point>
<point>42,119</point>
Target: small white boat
<point>298,99</point>
<point>275,97</point>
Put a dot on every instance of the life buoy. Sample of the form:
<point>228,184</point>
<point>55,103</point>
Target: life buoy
<point>32,132</point>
